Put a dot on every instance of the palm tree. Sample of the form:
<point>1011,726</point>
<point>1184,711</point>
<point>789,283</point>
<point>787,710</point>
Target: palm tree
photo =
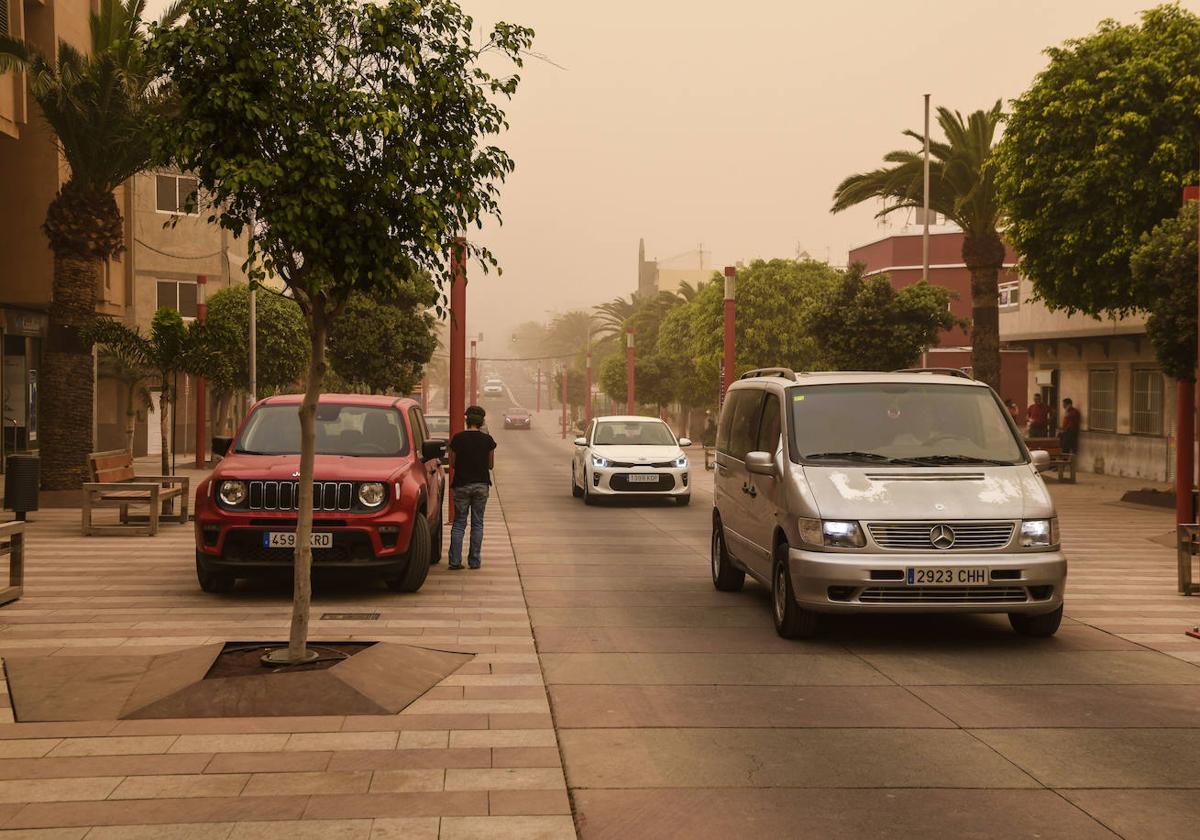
<point>687,292</point>
<point>962,187</point>
<point>116,364</point>
<point>610,317</point>
<point>102,107</point>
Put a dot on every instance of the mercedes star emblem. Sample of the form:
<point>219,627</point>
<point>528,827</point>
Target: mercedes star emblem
<point>942,536</point>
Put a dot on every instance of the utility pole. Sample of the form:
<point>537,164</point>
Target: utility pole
<point>925,203</point>
<point>474,376</point>
<point>201,390</point>
<point>728,363</point>
<point>629,388</point>
<point>564,402</point>
<point>253,343</point>
<point>458,337</point>
<point>587,394</point>
<point>539,387</point>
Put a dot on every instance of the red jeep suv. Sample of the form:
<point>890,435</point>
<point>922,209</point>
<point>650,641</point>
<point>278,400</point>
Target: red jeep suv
<point>377,493</point>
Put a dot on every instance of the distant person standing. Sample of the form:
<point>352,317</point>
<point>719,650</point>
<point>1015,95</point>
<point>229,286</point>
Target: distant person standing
<point>1068,438</point>
<point>1013,411</point>
<point>472,455</point>
<point>1039,417</point>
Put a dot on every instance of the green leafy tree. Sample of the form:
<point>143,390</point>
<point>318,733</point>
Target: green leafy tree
<point>1096,153</point>
<point>962,187</point>
<point>1165,265</point>
<point>123,368</point>
<point>865,324</point>
<point>173,347</point>
<point>381,348</point>
<point>675,351</point>
<point>349,140</point>
<point>103,108</point>
<point>773,301</point>
<point>281,345</point>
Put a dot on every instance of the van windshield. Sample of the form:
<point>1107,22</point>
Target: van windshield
<point>341,430</point>
<point>901,423</point>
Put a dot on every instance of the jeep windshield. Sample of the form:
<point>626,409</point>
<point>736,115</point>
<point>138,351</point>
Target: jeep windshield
<point>900,423</point>
<point>354,430</point>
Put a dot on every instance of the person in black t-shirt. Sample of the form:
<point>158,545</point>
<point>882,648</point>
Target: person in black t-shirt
<point>472,454</point>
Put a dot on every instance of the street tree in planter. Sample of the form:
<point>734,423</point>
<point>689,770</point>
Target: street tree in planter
<point>348,140</point>
<point>382,346</point>
<point>1164,264</point>
<point>868,325</point>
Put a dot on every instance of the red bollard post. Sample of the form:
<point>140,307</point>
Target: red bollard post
<point>728,364</point>
<point>629,387</point>
<point>458,345</point>
<point>201,385</point>
<point>1184,442</point>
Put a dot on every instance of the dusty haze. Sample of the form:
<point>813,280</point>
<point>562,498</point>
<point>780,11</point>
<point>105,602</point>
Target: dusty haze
<point>693,122</point>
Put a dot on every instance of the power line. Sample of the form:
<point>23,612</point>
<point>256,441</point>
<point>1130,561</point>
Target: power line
<point>145,244</point>
<point>511,359</point>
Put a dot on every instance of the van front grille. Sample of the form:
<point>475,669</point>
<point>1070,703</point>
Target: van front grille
<point>919,536</point>
<point>943,595</point>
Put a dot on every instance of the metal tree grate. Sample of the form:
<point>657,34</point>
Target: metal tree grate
<point>349,616</point>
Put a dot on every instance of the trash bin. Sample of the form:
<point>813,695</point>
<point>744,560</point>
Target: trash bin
<point>22,477</point>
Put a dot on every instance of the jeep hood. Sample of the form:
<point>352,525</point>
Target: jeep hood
<point>326,467</point>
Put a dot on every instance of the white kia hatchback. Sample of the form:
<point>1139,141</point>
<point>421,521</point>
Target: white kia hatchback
<point>630,456</point>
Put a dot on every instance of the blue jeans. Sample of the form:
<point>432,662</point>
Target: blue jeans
<point>469,498</point>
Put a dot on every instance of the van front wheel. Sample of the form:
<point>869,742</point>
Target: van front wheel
<point>1038,626</point>
<point>791,622</point>
<point>726,577</point>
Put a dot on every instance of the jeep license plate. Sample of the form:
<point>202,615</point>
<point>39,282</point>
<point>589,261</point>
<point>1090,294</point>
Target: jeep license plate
<point>946,576</point>
<point>287,539</point>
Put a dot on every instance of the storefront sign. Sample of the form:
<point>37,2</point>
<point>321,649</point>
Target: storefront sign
<point>23,322</point>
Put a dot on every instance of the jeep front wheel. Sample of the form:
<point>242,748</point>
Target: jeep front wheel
<point>416,558</point>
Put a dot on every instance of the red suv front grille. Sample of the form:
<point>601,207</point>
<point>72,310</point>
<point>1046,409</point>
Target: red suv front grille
<point>285,495</point>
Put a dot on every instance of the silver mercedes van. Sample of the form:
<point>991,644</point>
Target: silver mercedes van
<point>882,492</point>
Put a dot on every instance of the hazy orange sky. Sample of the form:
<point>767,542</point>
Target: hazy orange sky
<point>727,124</point>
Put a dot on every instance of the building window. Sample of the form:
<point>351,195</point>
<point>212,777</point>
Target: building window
<point>4,30</point>
<point>176,194</point>
<point>1010,294</point>
<point>178,294</point>
<point>1102,400</point>
<point>1147,413</point>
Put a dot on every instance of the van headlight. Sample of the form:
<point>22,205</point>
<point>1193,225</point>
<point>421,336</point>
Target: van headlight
<point>1039,533</point>
<point>680,462</point>
<point>832,533</point>
<point>598,461</point>
<point>371,493</point>
<point>232,493</point>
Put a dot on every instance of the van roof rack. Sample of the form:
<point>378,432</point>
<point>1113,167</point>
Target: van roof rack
<point>941,371</point>
<point>786,373</point>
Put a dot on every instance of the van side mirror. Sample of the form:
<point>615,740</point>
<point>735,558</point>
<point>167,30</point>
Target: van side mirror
<point>1040,459</point>
<point>433,450</point>
<point>581,441</point>
<point>760,463</point>
<point>685,441</point>
<point>220,445</point>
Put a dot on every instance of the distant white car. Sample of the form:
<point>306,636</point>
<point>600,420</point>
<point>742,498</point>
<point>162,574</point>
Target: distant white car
<point>493,388</point>
<point>626,455</point>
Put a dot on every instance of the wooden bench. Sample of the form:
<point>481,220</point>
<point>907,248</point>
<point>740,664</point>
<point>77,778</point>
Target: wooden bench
<point>114,484</point>
<point>1062,462</point>
<point>12,543</point>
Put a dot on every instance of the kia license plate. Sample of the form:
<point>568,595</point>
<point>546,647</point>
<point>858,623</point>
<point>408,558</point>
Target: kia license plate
<point>946,576</point>
<point>287,539</point>
<point>643,478</point>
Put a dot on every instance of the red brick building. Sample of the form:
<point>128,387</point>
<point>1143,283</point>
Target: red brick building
<point>899,256</point>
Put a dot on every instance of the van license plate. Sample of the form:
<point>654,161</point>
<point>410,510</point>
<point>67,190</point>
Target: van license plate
<point>287,539</point>
<point>643,478</point>
<point>947,576</point>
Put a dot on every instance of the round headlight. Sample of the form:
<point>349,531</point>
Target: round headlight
<point>371,493</point>
<point>232,493</point>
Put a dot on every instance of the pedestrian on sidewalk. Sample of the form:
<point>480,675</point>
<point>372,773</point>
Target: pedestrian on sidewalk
<point>472,455</point>
<point>1039,417</point>
<point>1068,438</point>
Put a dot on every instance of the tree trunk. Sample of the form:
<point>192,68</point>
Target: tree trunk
<point>302,565</point>
<point>164,429</point>
<point>67,381</point>
<point>983,255</point>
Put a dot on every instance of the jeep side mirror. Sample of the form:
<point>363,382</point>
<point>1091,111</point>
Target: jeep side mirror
<point>433,450</point>
<point>581,441</point>
<point>220,445</point>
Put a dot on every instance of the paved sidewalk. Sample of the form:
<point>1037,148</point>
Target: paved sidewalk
<point>476,757</point>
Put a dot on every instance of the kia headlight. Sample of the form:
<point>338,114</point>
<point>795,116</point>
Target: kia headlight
<point>832,533</point>
<point>371,493</point>
<point>1039,533</point>
<point>680,462</point>
<point>599,461</point>
<point>232,493</point>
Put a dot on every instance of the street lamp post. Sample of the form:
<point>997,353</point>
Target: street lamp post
<point>730,321</point>
<point>474,376</point>
<point>458,346</point>
<point>564,402</point>
<point>587,393</point>
<point>201,389</point>
<point>539,387</point>
<point>629,388</point>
